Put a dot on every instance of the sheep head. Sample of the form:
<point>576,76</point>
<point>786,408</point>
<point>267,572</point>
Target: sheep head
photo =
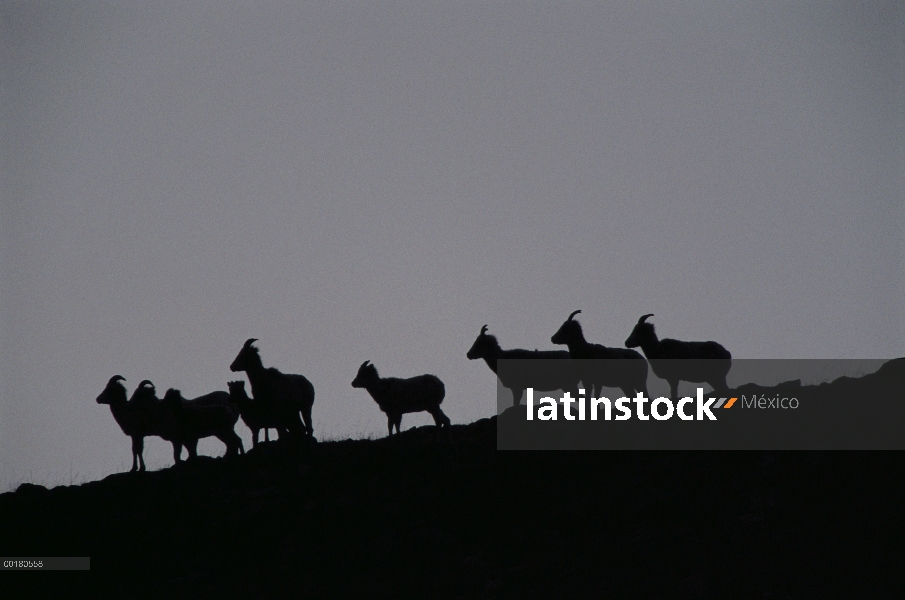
<point>367,374</point>
<point>569,331</point>
<point>484,346</point>
<point>115,391</point>
<point>642,333</point>
<point>237,393</point>
<point>145,391</point>
<point>173,399</point>
<point>248,357</point>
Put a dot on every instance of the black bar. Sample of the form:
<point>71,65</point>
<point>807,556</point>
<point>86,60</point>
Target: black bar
<point>844,404</point>
<point>44,563</point>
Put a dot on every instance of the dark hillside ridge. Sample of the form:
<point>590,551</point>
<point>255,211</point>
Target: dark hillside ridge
<point>418,517</point>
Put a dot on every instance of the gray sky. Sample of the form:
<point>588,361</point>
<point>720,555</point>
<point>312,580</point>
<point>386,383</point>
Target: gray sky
<point>376,181</point>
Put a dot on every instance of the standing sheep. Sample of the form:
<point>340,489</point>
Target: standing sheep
<point>282,396</point>
<point>213,414</point>
<point>565,378</point>
<point>395,396</point>
<point>138,417</point>
<point>145,399</point>
<point>251,412</point>
<point>623,369</point>
<point>676,361</point>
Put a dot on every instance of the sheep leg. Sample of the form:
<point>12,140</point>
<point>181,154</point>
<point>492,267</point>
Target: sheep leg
<point>516,396</point>
<point>297,429</point>
<point>177,452</point>
<point>138,447</point>
<point>233,443</point>
<point>390,425</point>
<point>674,389</point>
<point>440,419</point>
<point>589,388</point>
<point>134,455</point>
<point>266,435</point>
<point>283,434</point>
<point>227,441</point>
<point>306,416</point>
<point>192,447</point>
<point>719,384</point>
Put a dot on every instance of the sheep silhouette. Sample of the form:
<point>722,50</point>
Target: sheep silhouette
<point>253,415</point>
<point>623,369</point>
<point>212,414</point>
<point>396,396</point>
<point>139,417</point>
<point>282,396</point>
<point>565,378</point>
<point>675,361</point>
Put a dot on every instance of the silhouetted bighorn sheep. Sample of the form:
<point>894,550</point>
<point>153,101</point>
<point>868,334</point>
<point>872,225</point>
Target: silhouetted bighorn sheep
<point>161,420</point>
<point>138,417</point>
<point>628,372</point>
<point>252,414</point>
<point>209,415</point>
<point>487,347</point>
<point>395,396</point>
<point>676,361</point>
<point>282,396</point>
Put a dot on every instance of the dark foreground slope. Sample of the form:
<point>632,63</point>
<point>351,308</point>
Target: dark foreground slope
<point>415,518</point>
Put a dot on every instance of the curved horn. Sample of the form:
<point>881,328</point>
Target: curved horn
<point>116,378</point>
<point>146,382</point>
<point>572,315</point>
<point>641,320</point>
<point>483,329</point>
<point>364,364</point>
<point>249,342</point>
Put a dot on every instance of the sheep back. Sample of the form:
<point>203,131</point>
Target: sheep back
<point>695,362</point>
<point>252,412</point>
<point>410,395</point>
<point>158,418</point>
<point>623,367</point>
<point>564,376</point>
<point>205,416</point>
<point>693,350</point>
